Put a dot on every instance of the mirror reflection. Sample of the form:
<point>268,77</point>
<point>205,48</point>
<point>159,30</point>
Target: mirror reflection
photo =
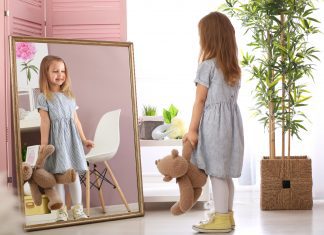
<point>76,131</point>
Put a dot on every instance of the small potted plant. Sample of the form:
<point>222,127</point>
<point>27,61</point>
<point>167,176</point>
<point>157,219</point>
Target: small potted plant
<point>149,121</point>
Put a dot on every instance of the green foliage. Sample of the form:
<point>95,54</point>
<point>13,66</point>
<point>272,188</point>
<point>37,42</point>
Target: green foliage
<point>24,152</point>
<point>149,110</point>
<point>282,57</point>
<point>169,114</point>
<point>29,67</point>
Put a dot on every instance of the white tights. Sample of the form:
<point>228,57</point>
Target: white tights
<point>223,194</point>
<point>75,191</point>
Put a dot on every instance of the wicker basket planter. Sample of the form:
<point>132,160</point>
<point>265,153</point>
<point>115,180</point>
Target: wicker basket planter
<point>286,184</point>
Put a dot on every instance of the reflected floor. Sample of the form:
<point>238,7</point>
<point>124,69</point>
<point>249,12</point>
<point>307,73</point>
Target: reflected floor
<point>94,212</point>
<point>250,220</point>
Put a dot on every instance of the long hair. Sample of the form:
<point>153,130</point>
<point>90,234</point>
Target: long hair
<point>217,40</point>
<point>43,77</point>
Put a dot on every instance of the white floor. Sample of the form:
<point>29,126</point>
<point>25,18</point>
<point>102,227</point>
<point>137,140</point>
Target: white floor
<point>250,220</point>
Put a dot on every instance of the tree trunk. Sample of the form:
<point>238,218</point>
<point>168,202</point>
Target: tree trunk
<point>272,124</point>
<point>282,42</point>
<point>272,131</point>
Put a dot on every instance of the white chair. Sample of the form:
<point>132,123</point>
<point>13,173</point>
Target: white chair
<point>106,143</point>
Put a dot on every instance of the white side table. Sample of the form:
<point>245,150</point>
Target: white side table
<point>155,189</point>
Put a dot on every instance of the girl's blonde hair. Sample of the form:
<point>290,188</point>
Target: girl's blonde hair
<point>217,40</point>
<point>43,77</point>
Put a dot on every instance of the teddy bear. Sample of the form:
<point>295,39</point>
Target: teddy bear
<point>42,181</point>
<point>189,177</point>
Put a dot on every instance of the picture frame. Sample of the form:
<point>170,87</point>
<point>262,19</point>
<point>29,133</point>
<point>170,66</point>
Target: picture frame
<point>32,154</point>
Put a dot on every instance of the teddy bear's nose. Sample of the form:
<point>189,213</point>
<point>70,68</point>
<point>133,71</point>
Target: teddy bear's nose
<point>156,162</point>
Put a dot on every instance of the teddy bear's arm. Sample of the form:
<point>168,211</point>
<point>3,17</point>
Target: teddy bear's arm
<point>67,177</point>
<point>43,152</point>
<point>35,192</point>
<point>187,150</point>
<point>186,195</point>
<point>54,200</point>
<point>197,193</point>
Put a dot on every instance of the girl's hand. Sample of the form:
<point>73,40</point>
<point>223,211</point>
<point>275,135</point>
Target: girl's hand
<point>192,136</point>
<point>88,143</point>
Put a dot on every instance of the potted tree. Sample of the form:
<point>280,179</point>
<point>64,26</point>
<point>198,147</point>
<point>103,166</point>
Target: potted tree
<point>281,66</point>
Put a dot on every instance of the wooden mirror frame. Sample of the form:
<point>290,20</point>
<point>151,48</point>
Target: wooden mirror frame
<point>129,117</point>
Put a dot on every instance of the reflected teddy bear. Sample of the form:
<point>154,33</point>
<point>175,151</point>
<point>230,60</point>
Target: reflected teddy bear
<point>43,182</point>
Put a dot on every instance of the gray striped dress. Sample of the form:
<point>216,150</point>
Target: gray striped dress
<point>64,135</point>
<point>221,142</point>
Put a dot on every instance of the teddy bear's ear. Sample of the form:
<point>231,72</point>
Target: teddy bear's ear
<point>174,153</point>
<point>27,171</point>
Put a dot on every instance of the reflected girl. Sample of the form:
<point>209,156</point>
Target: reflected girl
<point>61,127</point>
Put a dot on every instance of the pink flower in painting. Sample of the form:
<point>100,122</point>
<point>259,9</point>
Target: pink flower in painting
<point>25,50</point>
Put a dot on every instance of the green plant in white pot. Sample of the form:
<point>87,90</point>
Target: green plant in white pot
<point>281,66</point>
<point>149,110</point>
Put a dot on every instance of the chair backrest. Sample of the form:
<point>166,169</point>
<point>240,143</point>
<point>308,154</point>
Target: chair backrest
<point>107,137</point>
<point>33,101</point>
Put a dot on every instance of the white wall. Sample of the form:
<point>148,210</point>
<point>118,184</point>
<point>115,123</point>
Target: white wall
<point>166,44</point>
<point>166,49</point>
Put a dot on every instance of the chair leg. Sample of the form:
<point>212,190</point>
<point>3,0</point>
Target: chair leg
<point>88,192</point>
<point>117,186</point>
<point>102,201</point>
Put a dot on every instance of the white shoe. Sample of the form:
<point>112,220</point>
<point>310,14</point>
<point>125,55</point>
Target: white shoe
<point>62,214</point>
<point>78,213</point>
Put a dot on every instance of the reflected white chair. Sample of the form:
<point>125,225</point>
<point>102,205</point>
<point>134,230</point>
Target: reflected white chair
<point>106,143</point>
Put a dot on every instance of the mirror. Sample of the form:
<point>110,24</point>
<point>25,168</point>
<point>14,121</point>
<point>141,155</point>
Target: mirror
<point>102,80</point>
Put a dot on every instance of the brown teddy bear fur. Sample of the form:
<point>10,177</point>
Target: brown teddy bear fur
<point>41,180</point>
<point>189,178</point>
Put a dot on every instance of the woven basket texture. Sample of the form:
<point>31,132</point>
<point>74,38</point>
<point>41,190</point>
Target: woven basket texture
<point>286,184</point>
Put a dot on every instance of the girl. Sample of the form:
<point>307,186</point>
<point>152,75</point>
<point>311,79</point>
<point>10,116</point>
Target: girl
<point>216,126</point>
<point>60,126</point>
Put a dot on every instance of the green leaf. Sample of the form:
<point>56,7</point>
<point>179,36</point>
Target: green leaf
<point>149,110</point>
<point>173,111</point>
<point>313,19</point>
<point>166,116</point>
<point>303,99</point>
<point>274,83</point>
<point>28,74</point>
<point>23,69</point>
<point>274,57</point>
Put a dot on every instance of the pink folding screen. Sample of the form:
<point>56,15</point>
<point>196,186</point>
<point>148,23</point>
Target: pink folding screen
<point>22,18</point>
<point>27,18</point>
<point>87,19</point>
<point>79,19</point>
